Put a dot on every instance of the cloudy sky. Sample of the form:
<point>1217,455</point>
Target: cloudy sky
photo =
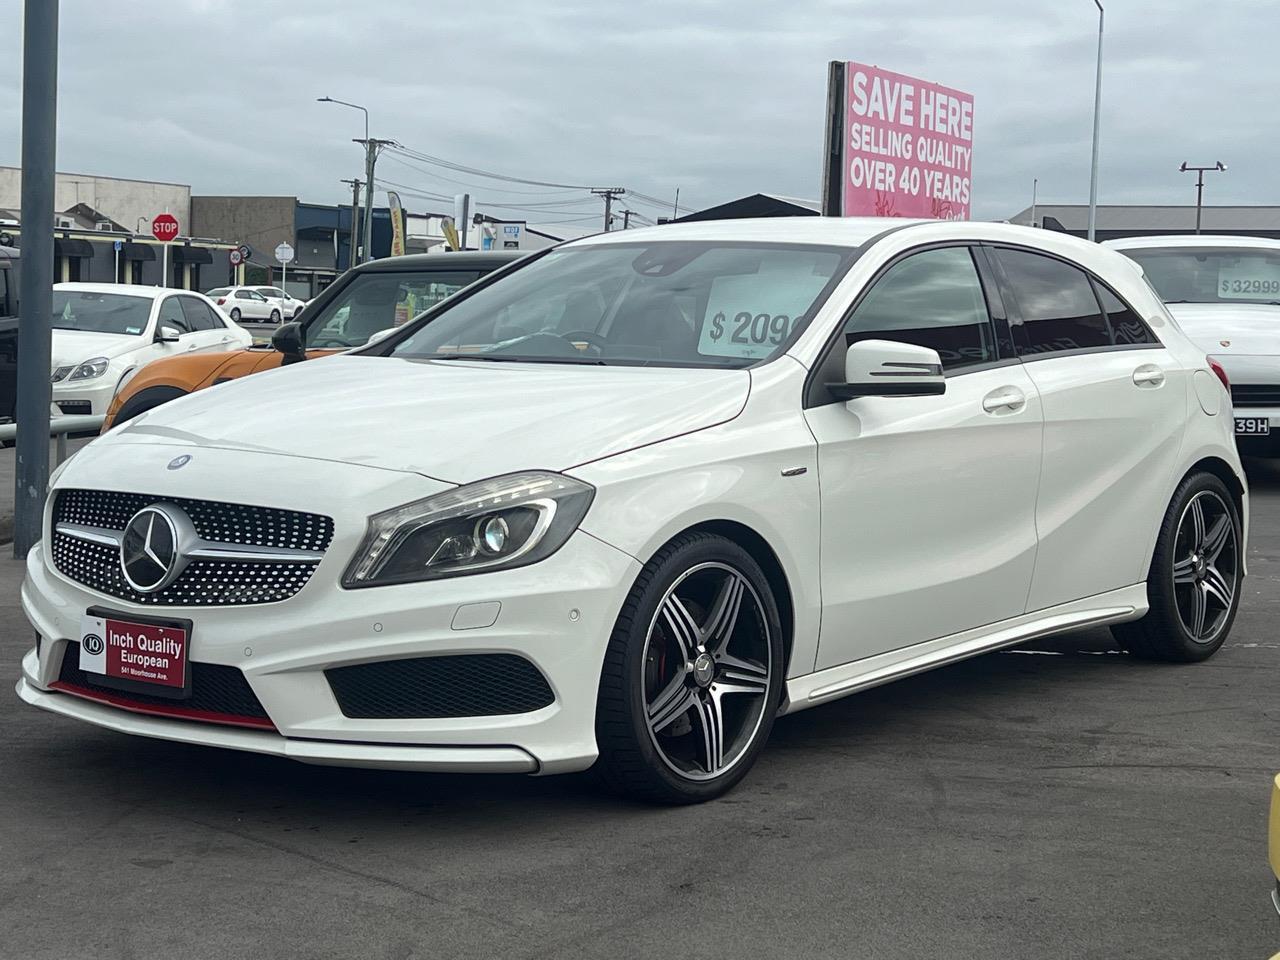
<point>718,97</point>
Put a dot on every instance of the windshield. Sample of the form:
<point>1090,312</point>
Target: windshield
<point>100,312</point>
<point>1211,274</point>
<point>663,303</point>
<point>380,301</point>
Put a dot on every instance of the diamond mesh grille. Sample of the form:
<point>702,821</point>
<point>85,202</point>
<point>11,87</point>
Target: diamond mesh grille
<point>203,582</point>
<point>470,685</point>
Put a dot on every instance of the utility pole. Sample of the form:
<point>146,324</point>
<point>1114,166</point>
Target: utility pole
<point>1219,167</point>
<point>626,219</point>
<point>35,289</point>
<point>355,221</point>
<point>1097,124</point>
<point>372,146</point>
<point>609,194</point>
<point>1035,184</point>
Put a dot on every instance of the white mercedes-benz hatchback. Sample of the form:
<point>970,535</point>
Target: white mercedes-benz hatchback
<point>1225,294</point>
<point>625,502</point>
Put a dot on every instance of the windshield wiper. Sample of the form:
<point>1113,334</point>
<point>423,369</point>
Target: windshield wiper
<point>498,358</point>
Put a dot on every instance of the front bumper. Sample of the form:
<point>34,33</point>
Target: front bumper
<point>74,393</point>
<point>558,614</point>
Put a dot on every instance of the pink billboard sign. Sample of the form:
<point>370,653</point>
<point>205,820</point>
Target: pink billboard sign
<point>908,148</point>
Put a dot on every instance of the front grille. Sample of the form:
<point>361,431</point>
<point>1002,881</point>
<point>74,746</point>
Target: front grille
<point>1255,395</point>
<point>219,694</point>
<point>470,685</point>
<point>75,407</point>
<point>203,582</point>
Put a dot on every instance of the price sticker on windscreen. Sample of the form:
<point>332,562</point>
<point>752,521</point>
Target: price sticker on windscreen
<point>749,316</point>
<point>1253,279</point>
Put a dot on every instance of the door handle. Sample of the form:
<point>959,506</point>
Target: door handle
<point>193,346</point>
<point>1148,375</point>
<point>1005,398</point>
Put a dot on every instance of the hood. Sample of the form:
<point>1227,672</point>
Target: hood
<point>1250,329</point>
<point>455,421</point>
<point>76,346</point>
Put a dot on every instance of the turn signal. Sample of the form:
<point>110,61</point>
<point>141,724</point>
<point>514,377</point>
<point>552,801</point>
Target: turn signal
<point>1220,373</point>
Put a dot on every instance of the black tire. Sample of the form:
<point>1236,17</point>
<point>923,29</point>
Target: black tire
<point>275,316</point>
<point>145,400</point>
<point>630,761</point>
<point>1163,633</point>
<point>235,314</point>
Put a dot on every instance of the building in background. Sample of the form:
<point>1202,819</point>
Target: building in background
<point>1116,221</point>
<point>755,205</point>
<point>425,234</point>
<point>129,203</point>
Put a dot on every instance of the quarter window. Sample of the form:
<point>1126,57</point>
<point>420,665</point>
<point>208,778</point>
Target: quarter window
<point>932,299</point>
<point>1126,326</point>
<point>1058,309</point>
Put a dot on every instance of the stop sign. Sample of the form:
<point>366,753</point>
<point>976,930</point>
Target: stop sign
<point>164,227</point>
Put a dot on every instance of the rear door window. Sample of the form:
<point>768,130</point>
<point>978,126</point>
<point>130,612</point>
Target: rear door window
<point>1126,326</point>
<point>1057,309</point>
<point>198,315</point>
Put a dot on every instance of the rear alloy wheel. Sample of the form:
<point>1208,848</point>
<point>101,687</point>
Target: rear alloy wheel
<point>693,675</point>
<point>1194,584</point>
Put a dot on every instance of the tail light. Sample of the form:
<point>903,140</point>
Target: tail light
<point>1219,372</point>
<point>221,301</point>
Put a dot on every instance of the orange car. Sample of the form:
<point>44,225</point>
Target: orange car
<point>374,296</point>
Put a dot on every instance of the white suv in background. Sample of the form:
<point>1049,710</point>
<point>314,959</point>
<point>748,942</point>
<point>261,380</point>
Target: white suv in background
<point>626,501</point>
<point>246,303</point>
<point>1225,293</point>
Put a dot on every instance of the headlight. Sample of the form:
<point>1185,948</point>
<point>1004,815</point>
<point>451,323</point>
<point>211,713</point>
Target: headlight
<point>59,374</point>
<point>90,369</point>
<point>494,524</point>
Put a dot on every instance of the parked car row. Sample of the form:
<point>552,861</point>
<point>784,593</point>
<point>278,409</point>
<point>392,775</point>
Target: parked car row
<point>623,503</point>
<point>268,304</point>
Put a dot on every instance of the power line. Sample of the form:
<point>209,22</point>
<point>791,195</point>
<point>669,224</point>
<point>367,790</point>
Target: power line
<point>464,183</point>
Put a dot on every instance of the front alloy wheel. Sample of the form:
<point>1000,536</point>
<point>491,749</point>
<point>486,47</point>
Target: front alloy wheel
<point>693,675</point>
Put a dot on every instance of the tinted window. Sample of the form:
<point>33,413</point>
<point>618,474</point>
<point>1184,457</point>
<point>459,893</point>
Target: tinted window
<point>198,315</point>
<point>1056,302</point>
<point>171,315</point>
<point>378,301</point>
<point>220,292</point>
<point>1126,326</point>
<point>932,299</point>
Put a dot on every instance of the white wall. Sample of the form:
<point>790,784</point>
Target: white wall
<point>124,201</point>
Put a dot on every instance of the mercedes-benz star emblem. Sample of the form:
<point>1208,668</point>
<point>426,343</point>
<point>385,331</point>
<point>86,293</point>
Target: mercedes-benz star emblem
<point>150,550</point>
<point>177,463</point>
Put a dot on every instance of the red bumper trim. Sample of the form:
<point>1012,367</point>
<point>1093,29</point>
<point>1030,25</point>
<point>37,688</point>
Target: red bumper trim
<point>174,712</point>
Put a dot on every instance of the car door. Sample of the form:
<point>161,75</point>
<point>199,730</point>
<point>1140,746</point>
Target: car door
<point>172,316</point>
<point>209,333</point>
<point>1114,409</point>
<point>252,304</point>
<point>928,503</point>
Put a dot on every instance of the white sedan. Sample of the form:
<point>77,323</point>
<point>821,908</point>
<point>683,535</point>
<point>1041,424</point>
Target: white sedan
<point>625,502</point>
<point>103,333</point>
<point>246,303</point>
<point>287,305</point>
<point>1225,293</point>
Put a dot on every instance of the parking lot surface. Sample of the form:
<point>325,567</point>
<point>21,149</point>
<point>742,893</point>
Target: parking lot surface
<point>1058,801</point>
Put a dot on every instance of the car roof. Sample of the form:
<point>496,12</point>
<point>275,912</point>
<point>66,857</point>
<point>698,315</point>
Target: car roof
<point>832,231</point>
<point>124,289</point>
<point>1193,240</point>
<point>470,260</point>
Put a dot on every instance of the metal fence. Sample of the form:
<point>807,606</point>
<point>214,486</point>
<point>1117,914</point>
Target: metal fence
<point>59,429</point>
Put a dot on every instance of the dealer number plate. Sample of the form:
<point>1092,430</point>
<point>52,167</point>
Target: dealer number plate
<point>1253,427</point>
<point>139,653</point>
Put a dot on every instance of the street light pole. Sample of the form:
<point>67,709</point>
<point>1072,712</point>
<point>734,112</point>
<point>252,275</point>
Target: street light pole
<point>1218,166</point>
<point>1097,122</point>
<point>368,179</point>
<point>35,288</point>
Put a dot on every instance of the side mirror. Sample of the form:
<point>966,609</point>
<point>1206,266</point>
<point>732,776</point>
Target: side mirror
<point>288,340</point>
<point>886,368</point>
<point>167,335</point>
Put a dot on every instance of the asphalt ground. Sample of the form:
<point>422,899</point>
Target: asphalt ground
<point>1070,802</point>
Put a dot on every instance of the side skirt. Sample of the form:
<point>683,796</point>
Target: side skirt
<point>1116,606</point>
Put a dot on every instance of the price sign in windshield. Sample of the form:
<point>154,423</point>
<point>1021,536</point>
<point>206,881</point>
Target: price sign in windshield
<point>749,317</point>
<point>1256,280</point>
